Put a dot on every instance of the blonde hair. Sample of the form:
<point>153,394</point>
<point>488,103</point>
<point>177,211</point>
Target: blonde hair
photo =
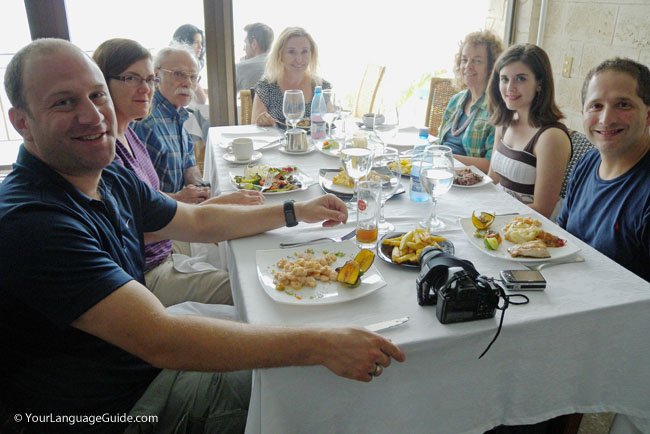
<point>275,68</point>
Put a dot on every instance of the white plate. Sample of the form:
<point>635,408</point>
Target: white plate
<point>258,142</point>
<point>284,150</point>
<point>486,179</point>
<point>336,153</point>
<point>499,222</point>
<point>231,158</point>
<point>326,181</point>
<point>323,292</point>
<point>305,180</point>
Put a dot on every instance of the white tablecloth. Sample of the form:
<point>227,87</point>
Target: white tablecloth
<point>579,346</point>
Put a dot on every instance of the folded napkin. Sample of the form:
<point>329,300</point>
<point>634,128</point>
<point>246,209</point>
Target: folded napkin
<point>195,264</point>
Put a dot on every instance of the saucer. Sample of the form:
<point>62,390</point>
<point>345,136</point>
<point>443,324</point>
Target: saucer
<point>283,149</point>
<point>231,158</point>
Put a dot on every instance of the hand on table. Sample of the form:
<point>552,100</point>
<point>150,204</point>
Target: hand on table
<point>192,194</point>
<point>359,354</point>
<point>327,208</point>
<point>239,197</point>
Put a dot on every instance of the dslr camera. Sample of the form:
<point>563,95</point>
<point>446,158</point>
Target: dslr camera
<point>459,295</point>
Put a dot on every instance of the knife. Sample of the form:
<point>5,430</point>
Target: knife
<point>379,326</point>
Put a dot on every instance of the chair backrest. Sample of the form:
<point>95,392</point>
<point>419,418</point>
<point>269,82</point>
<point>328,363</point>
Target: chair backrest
<point>440,92</point>
<point>368,90</point>
<point>246,110</point>
<point>580,145</point>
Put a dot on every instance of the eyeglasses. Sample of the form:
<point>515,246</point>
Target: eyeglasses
<point>182,76</point>
<point>135,81</point>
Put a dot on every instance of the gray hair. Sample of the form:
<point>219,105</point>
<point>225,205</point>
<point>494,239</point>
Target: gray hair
<point>174,47</point>
<point>14,85</point>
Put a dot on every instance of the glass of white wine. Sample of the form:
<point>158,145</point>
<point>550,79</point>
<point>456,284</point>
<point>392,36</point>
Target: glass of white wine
<point>436,170</point>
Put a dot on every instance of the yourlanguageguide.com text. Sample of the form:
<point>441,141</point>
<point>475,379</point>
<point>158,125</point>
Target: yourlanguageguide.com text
<point>92,419</point>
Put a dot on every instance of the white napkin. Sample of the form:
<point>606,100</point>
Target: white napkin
<point>247,131</point>
<point>194,264</point>
<point>222,311</point>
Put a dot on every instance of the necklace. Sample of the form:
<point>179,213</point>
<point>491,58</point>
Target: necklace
<point>455,128</point>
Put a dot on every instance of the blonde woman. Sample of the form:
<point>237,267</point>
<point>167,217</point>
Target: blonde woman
<point>292,64</point>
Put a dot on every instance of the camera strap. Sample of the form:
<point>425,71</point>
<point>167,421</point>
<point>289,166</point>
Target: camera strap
<point>438,275</point>
<point>506,302</point>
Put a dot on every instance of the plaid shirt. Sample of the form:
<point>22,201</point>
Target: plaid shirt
<point>169,145</point>
<point>478,138</point>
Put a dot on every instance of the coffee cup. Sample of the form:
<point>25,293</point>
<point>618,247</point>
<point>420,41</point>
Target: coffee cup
<point>241,148</point>
<point>371,120</point>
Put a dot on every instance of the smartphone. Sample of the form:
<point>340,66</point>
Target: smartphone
<point>523,280</point>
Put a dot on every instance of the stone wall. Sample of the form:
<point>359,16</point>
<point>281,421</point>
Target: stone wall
<point>585,31</point>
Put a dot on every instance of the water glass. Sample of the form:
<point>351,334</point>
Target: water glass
<point>293,106</point>
<point>436,169</point>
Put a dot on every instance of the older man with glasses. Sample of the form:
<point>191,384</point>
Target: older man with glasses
<point>168,143</point>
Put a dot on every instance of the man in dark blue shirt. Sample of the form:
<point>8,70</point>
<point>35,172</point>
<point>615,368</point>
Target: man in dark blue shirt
<point>608,200</point>
<point>81,336</point>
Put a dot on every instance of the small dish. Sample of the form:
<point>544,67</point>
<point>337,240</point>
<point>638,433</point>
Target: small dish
<point>283,149</point>
<point>484,178</point>
<point>326,181</point>
<point>229,157</point>
<point>384,252</point>
<point>330,152</point>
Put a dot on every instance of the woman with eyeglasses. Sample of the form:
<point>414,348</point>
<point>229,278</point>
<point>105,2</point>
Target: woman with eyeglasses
<point>292,64</point>
<point>531,147</point>
<point>465,125</point>
<point>128,69</point>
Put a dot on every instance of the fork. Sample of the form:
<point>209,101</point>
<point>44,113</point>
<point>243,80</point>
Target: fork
<point>538,267</point>
<point>268,182</point>
<point>318,240</point>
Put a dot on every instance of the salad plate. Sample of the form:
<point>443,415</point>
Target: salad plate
<point>502,252</point>
<point>323,292</point>
<point>326,181</point>
<point>330,151</point>
<point>287,179</point>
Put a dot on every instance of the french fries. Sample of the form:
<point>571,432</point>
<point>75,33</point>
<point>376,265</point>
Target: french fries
<point>407,247</point>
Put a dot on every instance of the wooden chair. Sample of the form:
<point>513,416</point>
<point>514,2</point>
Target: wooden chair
<point>368,90</point>
<point>580,145</point>
<point>246,110</point>
<point>440,92</point>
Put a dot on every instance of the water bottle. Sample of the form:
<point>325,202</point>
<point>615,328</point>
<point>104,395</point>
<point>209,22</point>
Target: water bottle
<point>317,128</point>
<point>416,192</point>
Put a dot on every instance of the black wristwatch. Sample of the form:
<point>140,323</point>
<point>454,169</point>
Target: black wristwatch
<point>290,213</point>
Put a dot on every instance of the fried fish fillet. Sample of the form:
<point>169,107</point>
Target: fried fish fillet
<point>530,249</point>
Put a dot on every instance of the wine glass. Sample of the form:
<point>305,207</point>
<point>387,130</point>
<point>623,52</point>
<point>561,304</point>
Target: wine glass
<point>293,106</point>
<point>386,168</point>
<point>436,170</point>
<point>357,163</point>
<point>332,110</point>
<point>387,123</point>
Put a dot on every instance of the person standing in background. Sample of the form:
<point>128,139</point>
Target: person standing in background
<point>258,41</point>
<point>191,35</point>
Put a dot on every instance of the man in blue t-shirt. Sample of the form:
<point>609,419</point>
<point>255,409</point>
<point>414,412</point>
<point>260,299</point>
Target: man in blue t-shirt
<point>82,339</point>
<point>608,200</point>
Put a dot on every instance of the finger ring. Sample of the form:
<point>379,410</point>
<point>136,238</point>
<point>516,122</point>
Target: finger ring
<point>378,370</point>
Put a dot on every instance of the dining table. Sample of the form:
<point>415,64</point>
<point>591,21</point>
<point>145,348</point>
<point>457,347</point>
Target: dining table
<point>579,345</point>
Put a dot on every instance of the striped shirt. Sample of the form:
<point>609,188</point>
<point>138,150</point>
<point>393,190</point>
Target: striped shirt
<point>170,146</point>
<point>140,163</point>
<point>517,169</point>
<point>478,137</point>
